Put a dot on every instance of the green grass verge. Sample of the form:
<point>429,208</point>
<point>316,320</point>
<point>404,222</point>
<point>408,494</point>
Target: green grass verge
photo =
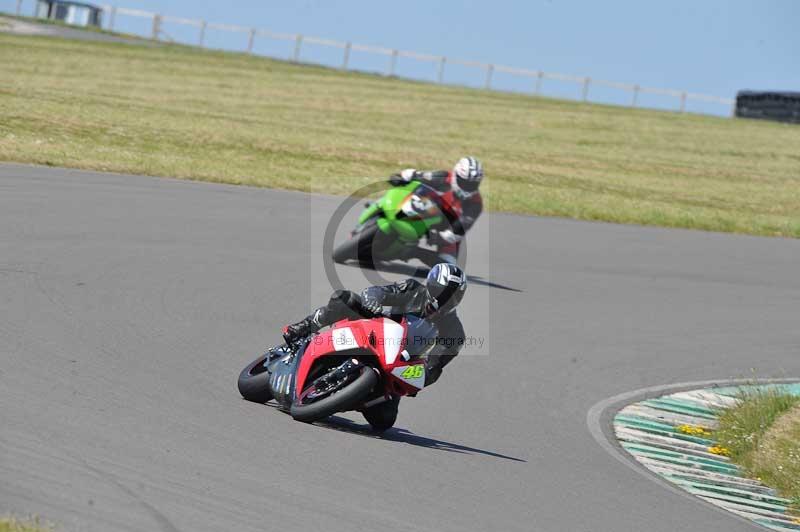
<point>12,524</point>
<point>189,113</point>
<point>762,434</point>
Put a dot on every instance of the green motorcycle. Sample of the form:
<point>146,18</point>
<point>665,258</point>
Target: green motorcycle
<point>392,227</point>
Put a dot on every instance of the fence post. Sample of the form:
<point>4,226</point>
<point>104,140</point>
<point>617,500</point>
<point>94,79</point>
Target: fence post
<point>19,7</point>
<point>393,63</point>
<point>251,41</point>
<point>440,74</point>
<point>489,72</point>
<point>586,82</point>
<point>298,43</point>
<point>683,102</point>
<point>346,58</point>
<point>202,33</point>
<point>156,26</point>
<point>635,95</point>
<point>539,78</point>
<point>111,16</point>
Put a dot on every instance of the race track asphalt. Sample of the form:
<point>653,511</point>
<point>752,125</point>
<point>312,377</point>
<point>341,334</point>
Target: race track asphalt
<point>128,306</point>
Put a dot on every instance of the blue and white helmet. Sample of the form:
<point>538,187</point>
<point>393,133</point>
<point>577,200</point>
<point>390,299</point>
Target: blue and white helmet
<point>469,174</point>
<point>446,284</point>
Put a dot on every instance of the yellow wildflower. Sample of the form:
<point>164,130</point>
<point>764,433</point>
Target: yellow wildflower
<point>719,450</point>
<point>693,430</point>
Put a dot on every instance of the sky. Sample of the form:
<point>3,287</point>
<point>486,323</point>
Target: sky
<point>714,47</point>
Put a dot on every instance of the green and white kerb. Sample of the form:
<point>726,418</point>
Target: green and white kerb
<point>672,437</point>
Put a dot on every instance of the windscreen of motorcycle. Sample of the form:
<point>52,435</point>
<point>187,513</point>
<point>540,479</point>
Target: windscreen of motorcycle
<point>419,207</point>
<point>421,337</point>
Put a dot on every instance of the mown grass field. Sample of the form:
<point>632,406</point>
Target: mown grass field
<point>214,116</point>
<point>762,434</point>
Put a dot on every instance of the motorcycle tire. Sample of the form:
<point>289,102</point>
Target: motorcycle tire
<point>359,247</point>
<point>345,399</point>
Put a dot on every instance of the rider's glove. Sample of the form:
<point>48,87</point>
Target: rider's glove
<point>408,174</point>
<point>443,237</point>
<point>403,177</point>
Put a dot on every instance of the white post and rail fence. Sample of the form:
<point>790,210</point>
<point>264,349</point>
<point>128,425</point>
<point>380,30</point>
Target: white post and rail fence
<point>537,77</point>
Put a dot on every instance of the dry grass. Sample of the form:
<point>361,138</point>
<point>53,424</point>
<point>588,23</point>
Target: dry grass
<point>763,435</point>
<point>182,112</point>
<point>776,460</point>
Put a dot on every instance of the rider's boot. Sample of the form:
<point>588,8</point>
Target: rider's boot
<point>303,328</point>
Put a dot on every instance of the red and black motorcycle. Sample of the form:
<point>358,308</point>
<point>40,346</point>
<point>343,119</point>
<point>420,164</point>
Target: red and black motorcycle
<point>364,365</point>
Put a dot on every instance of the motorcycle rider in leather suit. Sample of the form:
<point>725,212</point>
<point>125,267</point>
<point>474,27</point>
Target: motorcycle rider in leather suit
<point>458,186</point>
<point>435,301</point>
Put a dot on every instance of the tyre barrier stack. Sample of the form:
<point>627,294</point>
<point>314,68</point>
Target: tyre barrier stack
<point>764,105</point>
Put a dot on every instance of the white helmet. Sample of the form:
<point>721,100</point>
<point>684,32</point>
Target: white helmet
<point>469,174</point>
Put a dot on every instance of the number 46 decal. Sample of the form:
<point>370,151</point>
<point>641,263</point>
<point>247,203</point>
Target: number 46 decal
<point>413,375</point>
<point>413,372</point>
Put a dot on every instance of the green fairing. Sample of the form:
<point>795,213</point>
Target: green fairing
<point>390,205</point>
<point>369,212</point>
<point>388,228</point>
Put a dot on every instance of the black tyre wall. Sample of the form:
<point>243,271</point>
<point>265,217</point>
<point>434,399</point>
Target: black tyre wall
<point>778,106</point>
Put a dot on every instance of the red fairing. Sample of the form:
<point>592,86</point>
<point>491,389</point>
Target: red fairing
<point>389,339</point>
<point>343,336</point>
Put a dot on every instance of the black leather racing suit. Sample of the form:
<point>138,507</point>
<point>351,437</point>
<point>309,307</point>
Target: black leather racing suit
<point>405,297</point>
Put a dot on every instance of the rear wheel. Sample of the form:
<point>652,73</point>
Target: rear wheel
<point>383,415</point>
<point>341,400</point>
<point>254,381</point>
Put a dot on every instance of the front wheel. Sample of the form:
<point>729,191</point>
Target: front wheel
<point>364,246</point>
<point>344,399</point>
